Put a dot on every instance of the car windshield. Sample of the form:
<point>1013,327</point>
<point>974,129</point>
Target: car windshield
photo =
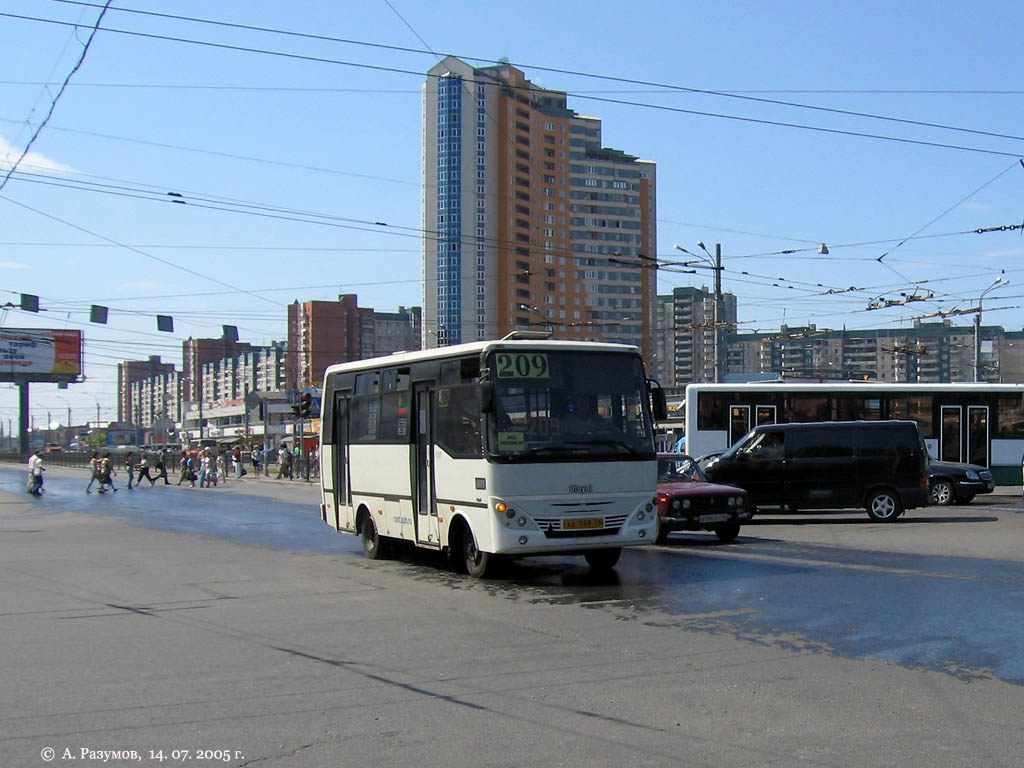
<point>678,469</point>
<point>563,405</point>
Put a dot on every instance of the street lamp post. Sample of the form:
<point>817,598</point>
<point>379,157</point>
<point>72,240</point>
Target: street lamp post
<point>999,281</point>
<point>715,263</point>
<point>67,431</point>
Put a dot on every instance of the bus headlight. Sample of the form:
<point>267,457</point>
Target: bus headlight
<point>675,503</point>
<point>732,501</point>
<point>686,503</point>
<point>640,515</point>
<point>521,521</point>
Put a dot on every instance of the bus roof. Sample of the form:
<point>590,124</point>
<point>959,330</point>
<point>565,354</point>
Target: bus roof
<point>858,386</point>
<point>479,347</point>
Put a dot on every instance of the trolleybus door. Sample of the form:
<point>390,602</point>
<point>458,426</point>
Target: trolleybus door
<point>965,434</point>
<point>423,469</point>
<point>951,434</point>
<point>739,422</point>
<point>977,435</point>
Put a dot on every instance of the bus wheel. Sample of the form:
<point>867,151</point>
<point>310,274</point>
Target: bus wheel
<point>371,539</point>
<point>476,562</point>
<point>602,559</point>
<point>884,506</point>
<point>727,532</point>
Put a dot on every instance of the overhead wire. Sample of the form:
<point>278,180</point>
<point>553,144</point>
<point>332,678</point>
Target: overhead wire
<point>658,107</point>
<point>666,87</point>
<point>53,104</point>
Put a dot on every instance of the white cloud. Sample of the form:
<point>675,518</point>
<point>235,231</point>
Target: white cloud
<point>32,161</point>
<point>12,265</point>
<point>971,205</point>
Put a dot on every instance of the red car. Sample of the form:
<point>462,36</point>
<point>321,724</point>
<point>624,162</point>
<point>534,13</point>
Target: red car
<point>688,502</point>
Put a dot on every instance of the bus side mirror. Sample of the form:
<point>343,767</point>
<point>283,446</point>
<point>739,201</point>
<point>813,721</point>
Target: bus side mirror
<point>486,396</point>
<point>659,405</point>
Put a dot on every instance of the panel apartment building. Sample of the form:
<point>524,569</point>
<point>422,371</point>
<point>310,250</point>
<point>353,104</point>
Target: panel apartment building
<point>529,222</point>
<point>321,333</point>
<point>927,353</point>
<point>684,336</point>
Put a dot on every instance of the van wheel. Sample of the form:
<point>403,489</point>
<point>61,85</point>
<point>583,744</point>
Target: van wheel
<point>727,532</point>
<point>942,493</point>
<point>884,506</point>
<point>371,539</point>
<point>602,559</point>
<point>475,561</point>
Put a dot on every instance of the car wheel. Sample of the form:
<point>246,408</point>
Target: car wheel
<point>884,506</point>
<point>661,536</point>
<point>603,559</point>
<point>475,561</point>
<point>942,494</point>
<point>727,532</point>
<point>371,539</point>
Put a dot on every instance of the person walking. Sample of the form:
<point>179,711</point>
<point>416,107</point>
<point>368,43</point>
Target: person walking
<point>35,474</point>
<point>144,470</point>
<point>204,468</point>
<point>215,473</point>
<point>284,462</point>
<point>256,457</point>
<point>161,469</point>
<point>188,470</point>
<point>94,468</point>
<point>107,473</point>
<point>236,461</point>
<point>129,467</point>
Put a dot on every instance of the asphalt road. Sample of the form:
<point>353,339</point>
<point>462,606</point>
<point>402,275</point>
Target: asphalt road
<point>232,620</point>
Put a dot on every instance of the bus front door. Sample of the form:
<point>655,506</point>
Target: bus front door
<point>423,470</point>
<point>339,466</point>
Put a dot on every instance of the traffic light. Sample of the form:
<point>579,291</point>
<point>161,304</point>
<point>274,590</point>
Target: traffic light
<point>305,405</point>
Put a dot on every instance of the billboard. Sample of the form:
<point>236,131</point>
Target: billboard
<point>33,353</point>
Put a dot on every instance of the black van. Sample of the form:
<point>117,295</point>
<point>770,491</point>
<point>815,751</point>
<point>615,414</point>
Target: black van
<point>881,466</point>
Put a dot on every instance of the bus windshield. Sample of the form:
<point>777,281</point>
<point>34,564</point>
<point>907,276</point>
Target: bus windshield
<point>568,406</point>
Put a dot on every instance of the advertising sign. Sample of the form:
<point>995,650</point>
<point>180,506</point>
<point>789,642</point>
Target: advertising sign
<point>31,352</point>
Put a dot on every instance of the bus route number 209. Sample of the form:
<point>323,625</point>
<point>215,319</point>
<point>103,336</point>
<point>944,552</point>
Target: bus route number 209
<point>522,365</point>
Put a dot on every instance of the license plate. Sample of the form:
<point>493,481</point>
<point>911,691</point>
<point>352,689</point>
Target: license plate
<point>713,518</point>
<point>581,523</point>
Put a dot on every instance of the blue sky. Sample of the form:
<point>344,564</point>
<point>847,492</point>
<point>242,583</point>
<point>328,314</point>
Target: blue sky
<point>343,141</point>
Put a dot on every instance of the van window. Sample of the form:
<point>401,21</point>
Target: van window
<point>763,445</point>
<point>887,441</point>
<point>826,443</point>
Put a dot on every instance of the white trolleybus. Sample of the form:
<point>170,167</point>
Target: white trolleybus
<point>513,447</point>
<point>976,423</point>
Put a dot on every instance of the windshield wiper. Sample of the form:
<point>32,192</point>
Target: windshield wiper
<point>608,442</point>
<point>546,450</point>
